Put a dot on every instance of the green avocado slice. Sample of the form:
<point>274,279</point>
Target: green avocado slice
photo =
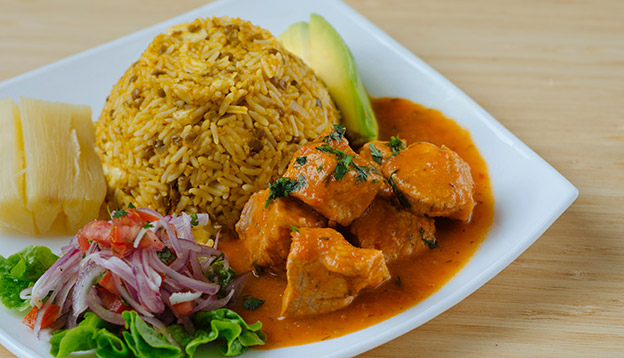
<point>322,48</point>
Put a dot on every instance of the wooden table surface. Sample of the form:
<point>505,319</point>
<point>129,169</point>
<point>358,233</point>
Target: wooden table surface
<point>551,71</point>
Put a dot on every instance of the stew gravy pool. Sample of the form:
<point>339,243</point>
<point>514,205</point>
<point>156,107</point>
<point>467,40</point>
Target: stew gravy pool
<point>413,279</point>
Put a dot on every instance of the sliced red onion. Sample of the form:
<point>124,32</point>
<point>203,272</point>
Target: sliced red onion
<point>26,293</point>
<point>236,285</point>
<point>115,265</point>
<point>151,212</point>
<point>196,268</point>
<point>86,277</point>
<point>40,314</point>
<point>172,238</point>
<point>54,275</point>
<point>148,282</point>
<point>189,245</point>
<point>216,241</point>
<point>95,305</point>
<point>129,299</point>
<point>212,303</point>
<point>191,283</point>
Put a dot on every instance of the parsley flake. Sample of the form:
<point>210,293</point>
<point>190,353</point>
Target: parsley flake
<point>194,219</point>
<point>119,214</point>
<point>432,244</point>
<point>282,187</point>
<point>294,228</point>
<point>345,162</point>
<point>376,154</point>
<point>327,149</point>
<point>319,168</point>
<point>252,303</point>
<point>301,160</point>
<point>402,200</point>
<point>396,145</point>
<point>343,167</point>
<point>166,255</point>
<point>337,134</point>
<point>362,172</point>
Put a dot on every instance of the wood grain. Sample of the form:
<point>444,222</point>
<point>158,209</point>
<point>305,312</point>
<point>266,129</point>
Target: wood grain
<point>551,71</point>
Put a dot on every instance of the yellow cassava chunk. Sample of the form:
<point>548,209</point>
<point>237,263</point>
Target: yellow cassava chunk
<point>56,173</point>
<point>13,212</point>
<point>63,173</point>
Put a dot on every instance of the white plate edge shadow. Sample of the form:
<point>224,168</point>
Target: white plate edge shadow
<point>569,192</point>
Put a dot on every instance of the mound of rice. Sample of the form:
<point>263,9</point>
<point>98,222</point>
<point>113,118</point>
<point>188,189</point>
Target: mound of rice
<point>210,113</point>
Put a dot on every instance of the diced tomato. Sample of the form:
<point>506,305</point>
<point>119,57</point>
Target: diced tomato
<point>106,281</point>
<point>145,217</point>
<point>31,317</point>
<point>183,308</point>
<point>151,240</point>
<point>83,242</point>
<point>50,316</point>
<point>112,302</point>
<point>98,231</point>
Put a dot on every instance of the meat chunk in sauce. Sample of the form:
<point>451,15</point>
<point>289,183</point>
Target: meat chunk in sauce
<point>338,183</point>
<point>398,233</point>
<point>325,272</point>
<point>266,231</point>
<point>432,181</point>
<point>378,151</point>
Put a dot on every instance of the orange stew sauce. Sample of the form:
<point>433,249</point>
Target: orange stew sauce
<point>412,280</point>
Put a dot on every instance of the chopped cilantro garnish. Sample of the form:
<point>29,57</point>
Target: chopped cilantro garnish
<point>343,166</point>
<point>282,187</point>
<point>301,160</point>
<point>345,162</point>
<point>432,244</point>
<point>166,255</point>
<point>119,213</point>
<point>131,206</point>
<point>148,225</point>
<point>336,134</point>
<point>362,172</point>
<point>402,200</point>
<point>194,219</point>
<point>327,149</point>
<point>252,303</point>
<point>396,145</point>
<point>319,168</point>
<point>375,154</point>
<point>220,275</point>
<point>294,228</point>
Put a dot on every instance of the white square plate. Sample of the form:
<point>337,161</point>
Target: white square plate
<point>529,193</point>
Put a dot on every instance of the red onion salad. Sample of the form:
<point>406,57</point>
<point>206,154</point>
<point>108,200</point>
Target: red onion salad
<point>141,261</point>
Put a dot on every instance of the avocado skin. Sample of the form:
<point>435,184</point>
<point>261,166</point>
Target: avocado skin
<point>330,58</point>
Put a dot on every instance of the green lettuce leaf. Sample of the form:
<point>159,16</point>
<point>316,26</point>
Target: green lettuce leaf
<point>21,270</point>
<point>109,345</point>
<point>225,325</point>
<point>144,341</point>
<point>80,338</point>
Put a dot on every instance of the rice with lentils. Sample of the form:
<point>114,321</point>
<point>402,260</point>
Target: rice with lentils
<point>210,113</point>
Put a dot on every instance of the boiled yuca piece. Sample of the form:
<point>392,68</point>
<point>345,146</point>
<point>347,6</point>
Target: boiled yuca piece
<point>13,212</point>
<point>63,173</point>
